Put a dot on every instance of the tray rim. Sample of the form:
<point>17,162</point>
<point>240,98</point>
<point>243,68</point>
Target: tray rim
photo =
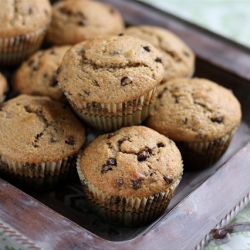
<point>144,237</point>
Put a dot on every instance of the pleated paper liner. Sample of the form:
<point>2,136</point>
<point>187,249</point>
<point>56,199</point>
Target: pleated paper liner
<point>112,116</point>
<point>14,50</point>
<point>38,178</point>
<point>198,156</point>
<point>126,211</point>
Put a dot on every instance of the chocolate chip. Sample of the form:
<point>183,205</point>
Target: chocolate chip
<point>147,48</point>
<point>52,52</point>
<point>158,59</point>
<point>53,82</point>
<point>126,80</point>
<point>111,161</point>
<point>110,135</point>
<point>58,71</point>
<point>160,145</point>
<point>184,120</point>
<point>86,92</point>
<point>143,155</point>
<point>119,182</point>
<point>106,168</point>
<point>82,22</point>
<point>168,179</point>
<point>218,118</point>
<point>30,63</point>
<point>121,34</point>
<point>45,75</point>
<point>136,184</point>
<point>79,14</point>
<point>111,10</point>
<point>30,10</point>
<point>95,83</point>
<point>35,68</point>
<point>186,53</point>
<point>177,99</point>
<point>122,140</point>
<point>70,140</point>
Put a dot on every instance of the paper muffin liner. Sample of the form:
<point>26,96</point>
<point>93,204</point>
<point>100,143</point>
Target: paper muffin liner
<point>14,50</point>
<point>197,156</point>
<point>126,211</point>
<point>38,177</point>
<point>112,116</point>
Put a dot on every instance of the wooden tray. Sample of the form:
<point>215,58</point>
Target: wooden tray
<point>61,220</point>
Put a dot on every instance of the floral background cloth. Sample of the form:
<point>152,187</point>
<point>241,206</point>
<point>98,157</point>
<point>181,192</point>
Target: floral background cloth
<point>229,18</point>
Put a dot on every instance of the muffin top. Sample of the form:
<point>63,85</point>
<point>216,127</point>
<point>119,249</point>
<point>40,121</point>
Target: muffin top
<point>110,69</point>
<point>37,75</point>
<point>19,18</point>
<point>3,86</point>
<point>195,110</point>
<point>37,129</point>
<point>76,20</point>
<point>178,59</point>
<point>134,161</point>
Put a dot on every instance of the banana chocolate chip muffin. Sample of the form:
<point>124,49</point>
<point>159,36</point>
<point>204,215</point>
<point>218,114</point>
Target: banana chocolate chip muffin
<point>37,75</point>
<point>111,81</point>
<point>200,116</point>
<point>178,58</point>
<point>40,139</point>
<point>22,29</point>
<point>133,179</point>
<point>74,21</point>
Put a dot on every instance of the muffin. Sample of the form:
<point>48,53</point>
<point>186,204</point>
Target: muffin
<point>178,59</point>
<point>111,81</point>
<point>3,87</point>
<point>40,139</point>
<point>22,30</point>
<point>37,75</point>
<point>74,21</point>
<point>133,179</point>
<point>200,116</point>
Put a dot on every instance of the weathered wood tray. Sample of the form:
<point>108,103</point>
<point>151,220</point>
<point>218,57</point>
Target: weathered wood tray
<point>61,219</point>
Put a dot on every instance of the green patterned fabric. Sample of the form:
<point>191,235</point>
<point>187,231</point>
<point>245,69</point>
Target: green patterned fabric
<point>230,19</point>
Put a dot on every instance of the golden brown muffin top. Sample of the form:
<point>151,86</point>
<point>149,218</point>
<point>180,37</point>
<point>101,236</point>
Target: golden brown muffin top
<point>134,161</point>
<point>74,21</point>
<point>19,18</point>
<point>37,129</point>
<point>37,75</point>
<point>178,58</point>
<point>195,110</point>
<point>3,86</point>
<point>110,69</point>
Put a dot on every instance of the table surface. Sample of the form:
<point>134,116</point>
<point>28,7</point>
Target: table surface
<point>228,18</point>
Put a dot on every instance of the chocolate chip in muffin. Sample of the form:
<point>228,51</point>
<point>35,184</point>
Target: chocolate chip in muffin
<point>126,80</point>
<point>160,145</point>
<point>218,118</point>
<point>136,184</point>
<point>184,120</point>
<point>53,82</point>
<point>119,182</point>
<point>168,179</point>
<point>143,155</point>
<point>158,59</point>
<point>70,140</point>
<point>58,71</point>
<point>147,48</point>
<point>106,168</point>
